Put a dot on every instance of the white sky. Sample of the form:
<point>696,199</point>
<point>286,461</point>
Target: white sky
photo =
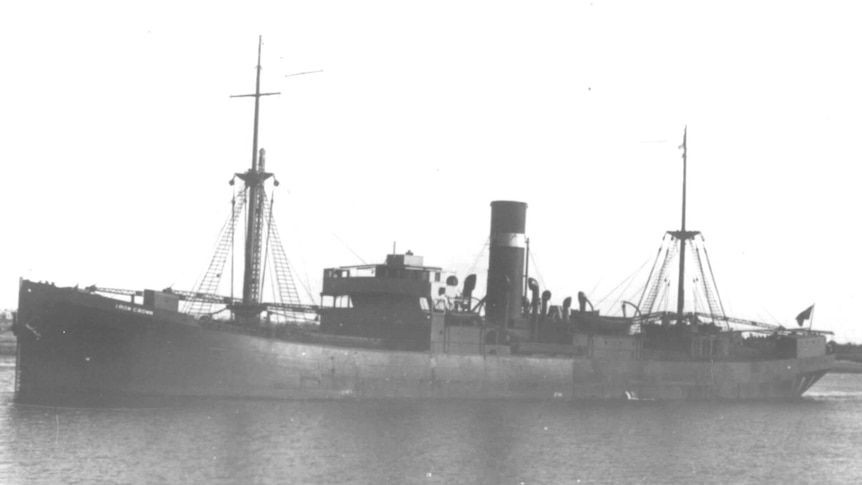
<point>118,139</point>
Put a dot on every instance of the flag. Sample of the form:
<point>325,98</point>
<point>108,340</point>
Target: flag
<point>684,136</point>
<point>805,315</point>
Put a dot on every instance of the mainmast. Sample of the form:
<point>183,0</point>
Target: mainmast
<point>655,287</point>
<point>682,235</point>
<point>254,180</point>
<point>681,291</point>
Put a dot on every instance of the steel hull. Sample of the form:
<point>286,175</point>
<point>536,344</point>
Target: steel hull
<point>73,342</point>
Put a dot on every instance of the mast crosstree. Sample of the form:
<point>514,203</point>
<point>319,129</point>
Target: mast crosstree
<point>679,243</point>
<point>254,179</point>
<point>261,240</point>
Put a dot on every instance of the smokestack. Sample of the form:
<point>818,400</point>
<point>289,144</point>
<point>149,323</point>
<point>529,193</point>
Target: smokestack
<point>506,262</point>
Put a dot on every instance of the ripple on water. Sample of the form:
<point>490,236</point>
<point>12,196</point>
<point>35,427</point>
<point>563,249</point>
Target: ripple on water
<point>812,440</point>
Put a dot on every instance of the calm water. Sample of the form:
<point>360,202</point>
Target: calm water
<point>817,440</point>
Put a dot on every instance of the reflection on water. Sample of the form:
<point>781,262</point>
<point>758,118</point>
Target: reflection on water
<point>809,441</point>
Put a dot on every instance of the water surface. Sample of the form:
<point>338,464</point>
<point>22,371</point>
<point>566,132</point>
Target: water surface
<point>814,440</point>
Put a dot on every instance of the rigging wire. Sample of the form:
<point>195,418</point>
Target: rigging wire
<point>650,296</point>
<point>712,274</point>
<point>626,289</point>
<point>290,268</point>
<point>302,283</point>
<point>640,289</point>
<point>217,239</point>
<point>212,276</point>
<point>305,281</point>
<point>628,279</point>
<point>267,262</point>
<point>283,269</point>
<point>658,253</point>
<point>536,267</point>
<point>595,286</point>
<point>232,243</point>
<point>665,294</point>
<point>696,297</point>
<point>232,240</point>
<point>268,208</point>
<point>348,248</point>
<point>245,232</point>
<point>481,253</point>
<point>273,285</point>
<point>774,320</point>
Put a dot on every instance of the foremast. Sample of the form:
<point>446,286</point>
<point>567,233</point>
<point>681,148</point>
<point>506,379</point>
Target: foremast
<point>254,179</point>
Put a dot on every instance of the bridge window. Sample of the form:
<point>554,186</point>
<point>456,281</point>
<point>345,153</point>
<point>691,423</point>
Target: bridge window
<point>343,301</point>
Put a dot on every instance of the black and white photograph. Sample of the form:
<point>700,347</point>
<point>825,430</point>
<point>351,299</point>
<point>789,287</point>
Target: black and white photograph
<point>402,242</point>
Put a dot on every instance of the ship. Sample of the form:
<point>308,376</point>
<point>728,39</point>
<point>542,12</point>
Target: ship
<point>400,329</point>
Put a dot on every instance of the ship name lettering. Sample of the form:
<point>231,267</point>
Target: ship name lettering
<point>132,309</point>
